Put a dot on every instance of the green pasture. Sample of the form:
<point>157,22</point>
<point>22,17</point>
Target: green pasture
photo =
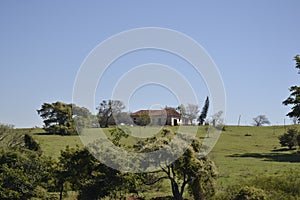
<point>241,152</point>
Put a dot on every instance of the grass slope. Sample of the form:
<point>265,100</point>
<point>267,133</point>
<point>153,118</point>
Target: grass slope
<point>237,156</point>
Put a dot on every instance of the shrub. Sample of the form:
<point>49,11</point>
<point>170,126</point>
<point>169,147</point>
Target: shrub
<point>31,144</point>
<point>22,175</point>
<point>289,138</point>
<point>251,193</point>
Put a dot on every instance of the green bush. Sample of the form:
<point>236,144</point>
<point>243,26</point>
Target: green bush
<point>289,138</point>
<point>31,144</point>
<point>250,193</point>
<point>22,174</point>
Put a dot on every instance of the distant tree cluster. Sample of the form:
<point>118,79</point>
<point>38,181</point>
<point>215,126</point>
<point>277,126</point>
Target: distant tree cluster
<point>64,119</point>
<point>190,113</point>
<point>67,119</point>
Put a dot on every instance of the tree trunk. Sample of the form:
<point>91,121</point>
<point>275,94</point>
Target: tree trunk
<point>61,191</point>
<point>175,191</point>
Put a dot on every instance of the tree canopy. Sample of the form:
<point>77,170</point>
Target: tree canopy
<point>24,172</point>
<point>192,111</point>
<point>260,120</point>
<point>91,178</point>
<point>290,138</point>
<point>108,111</point>
<point>294,98</point>
<point>191,171</point>
<point>204,111</point>
<point>59,118</point>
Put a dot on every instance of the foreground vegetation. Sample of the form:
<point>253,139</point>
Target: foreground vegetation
<point>250,164</point>
<point>239,152</point>
<point>244,156</point>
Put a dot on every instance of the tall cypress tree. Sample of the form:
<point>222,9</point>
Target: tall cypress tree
<point>204,111</point>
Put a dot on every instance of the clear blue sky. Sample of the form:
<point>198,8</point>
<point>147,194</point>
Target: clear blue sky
<point>43,43</point>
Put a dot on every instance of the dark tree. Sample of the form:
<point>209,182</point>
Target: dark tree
<point>294,98</point>
<point>260,120</point>
<point>289,138</point>
<point>107,111</point>
<point>204,111</point>
<point>31,144</point>
<point>143,120</point>
<point>92,179</point>
<point>57,118</point>
<point>23,175</point>
<point>189,170</point>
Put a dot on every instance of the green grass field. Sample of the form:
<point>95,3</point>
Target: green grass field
<point>237,156</point>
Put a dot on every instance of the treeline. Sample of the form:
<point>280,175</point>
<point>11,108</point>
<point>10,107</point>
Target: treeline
<point>66,119</point>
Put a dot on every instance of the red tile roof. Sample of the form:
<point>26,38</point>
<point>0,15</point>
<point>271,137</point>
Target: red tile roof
<point>168,111</point>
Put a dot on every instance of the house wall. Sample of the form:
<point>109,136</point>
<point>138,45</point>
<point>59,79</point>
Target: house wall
<point>170,121</point>
<point>158,120</point>
<point>161,120</point>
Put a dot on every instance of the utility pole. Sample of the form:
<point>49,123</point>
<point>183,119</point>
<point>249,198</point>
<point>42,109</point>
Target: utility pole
<point>239,121</point>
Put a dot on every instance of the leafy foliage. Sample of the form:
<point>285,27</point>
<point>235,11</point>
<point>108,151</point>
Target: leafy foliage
<point>217,120</point>
<point>107,112</point>
<point>9,138</point>
<point>181,109</point>
<point>143,120</point>
<point>192,111</point>
<point>188,170</point>
<point>91,178</point>
<point>59,118</point>
<point>250,193</point>
<point>83,118</point>
<point>290,138</point>
<point>294,98</point>
<point>22,173</point>
<point>117,134</point>
<point>204,111</point>
<point>188,113</point>
<point>260,120</point>
<point>31,144</point>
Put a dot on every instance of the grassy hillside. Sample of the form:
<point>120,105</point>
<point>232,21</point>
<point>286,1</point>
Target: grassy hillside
<point>237,156</point>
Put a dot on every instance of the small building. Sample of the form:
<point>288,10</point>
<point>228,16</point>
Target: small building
<point>167,116</point>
